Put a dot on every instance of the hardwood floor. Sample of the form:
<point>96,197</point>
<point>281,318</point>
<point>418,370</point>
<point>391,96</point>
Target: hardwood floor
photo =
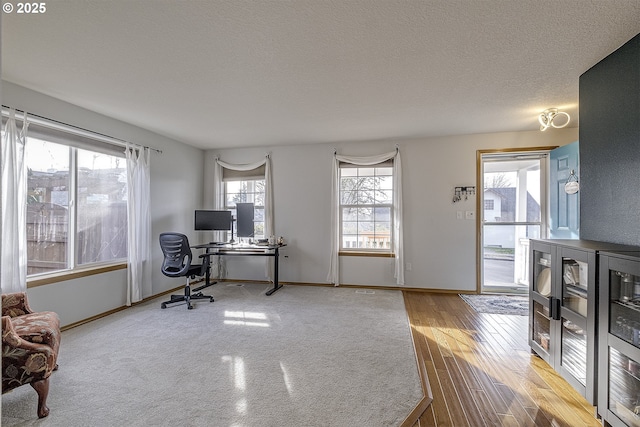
<point>481,370</point>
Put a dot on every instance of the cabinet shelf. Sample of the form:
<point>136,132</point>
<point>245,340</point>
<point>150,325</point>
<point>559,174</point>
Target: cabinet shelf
<point>627,305</point>
<point>541,314</point>
<point>575,334</point>
<point>635,377</point>
<point>577,290</point>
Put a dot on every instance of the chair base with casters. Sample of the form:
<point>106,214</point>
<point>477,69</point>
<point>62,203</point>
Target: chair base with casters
<point>187,297</point>
<point>177,263</point>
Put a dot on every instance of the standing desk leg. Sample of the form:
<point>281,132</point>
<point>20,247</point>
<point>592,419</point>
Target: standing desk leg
<point>207,275</point>
<point>276,286</point>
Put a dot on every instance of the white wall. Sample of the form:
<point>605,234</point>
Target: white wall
<point>440,248</point>
<point>176,190</point>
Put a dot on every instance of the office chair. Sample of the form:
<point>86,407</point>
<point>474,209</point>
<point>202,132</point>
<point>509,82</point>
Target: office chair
<point>177,263</point>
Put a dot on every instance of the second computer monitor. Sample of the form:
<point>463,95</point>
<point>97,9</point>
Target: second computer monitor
<point>244,216</point>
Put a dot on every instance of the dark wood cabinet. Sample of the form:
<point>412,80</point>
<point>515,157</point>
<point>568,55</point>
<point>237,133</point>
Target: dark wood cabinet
<point>619,339</point>
<point>563,315</point>
<point>562,310</point>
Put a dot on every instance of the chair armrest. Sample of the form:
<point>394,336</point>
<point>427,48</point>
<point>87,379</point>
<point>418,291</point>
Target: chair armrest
<point>16,348</point>
<point>42,327</point>
<point>15,304</point>
<point>13,340</point>
<point>9,336</point>
<point>206,258</point>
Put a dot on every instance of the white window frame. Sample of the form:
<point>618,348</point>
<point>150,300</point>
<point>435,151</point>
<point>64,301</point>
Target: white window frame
<point>72,256</point>
<point>388,248</point>
<point>73,139</point>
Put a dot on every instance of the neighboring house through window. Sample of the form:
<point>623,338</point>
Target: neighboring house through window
<point>500,205</point>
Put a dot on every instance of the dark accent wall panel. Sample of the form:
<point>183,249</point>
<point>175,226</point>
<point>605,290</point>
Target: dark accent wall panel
<point>610,147</point>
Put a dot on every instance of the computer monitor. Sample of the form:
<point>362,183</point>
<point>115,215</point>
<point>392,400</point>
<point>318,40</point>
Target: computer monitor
<point>212,220</point>
<point>244,215</point>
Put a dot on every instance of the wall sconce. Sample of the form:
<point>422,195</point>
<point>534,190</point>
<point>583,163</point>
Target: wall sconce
<point>547,119</point>
<point>460,192</point>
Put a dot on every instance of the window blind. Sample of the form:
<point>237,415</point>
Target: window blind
<point>238,175</point>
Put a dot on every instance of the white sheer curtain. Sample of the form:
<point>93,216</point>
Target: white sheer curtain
<point>218,193</point>
<point>13,235</point>
<point>139,221</point>
<point>397,243</point>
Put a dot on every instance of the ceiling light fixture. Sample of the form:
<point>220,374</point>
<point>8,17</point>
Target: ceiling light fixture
<point>547,117</point>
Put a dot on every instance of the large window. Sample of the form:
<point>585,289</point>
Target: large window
<point>366,207</point>
<point>76,206</point>
<point>247,191</point>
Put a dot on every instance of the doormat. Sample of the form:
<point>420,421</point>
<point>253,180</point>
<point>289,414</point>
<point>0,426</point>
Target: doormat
<point>498,304</point>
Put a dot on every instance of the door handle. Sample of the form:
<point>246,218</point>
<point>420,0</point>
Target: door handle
<point>554,308</point>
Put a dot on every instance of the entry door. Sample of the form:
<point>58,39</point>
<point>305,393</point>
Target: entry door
<point>513,209</point>
<point>564,209</point>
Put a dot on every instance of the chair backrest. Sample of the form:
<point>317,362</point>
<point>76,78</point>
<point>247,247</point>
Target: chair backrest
<point>177,254</point>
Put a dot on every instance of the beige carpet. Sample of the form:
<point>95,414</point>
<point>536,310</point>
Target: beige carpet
<point>305,356</point>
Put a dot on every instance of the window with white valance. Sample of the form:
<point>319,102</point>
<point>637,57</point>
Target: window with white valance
<point>366,210</point>
<point>246,186</point>
<point>228,188</point>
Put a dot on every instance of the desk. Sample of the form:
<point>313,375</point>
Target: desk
<point>226,249</point>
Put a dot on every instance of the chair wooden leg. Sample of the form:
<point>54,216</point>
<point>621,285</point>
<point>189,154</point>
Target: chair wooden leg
<point>42,388</point>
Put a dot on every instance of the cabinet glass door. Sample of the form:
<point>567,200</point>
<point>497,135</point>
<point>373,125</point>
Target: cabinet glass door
<point>574,350</point>
<point>541,273</point>
<point>575,275</point>
<point>624,306</point>
<point>624,387</point>
<point>541,326</point>
<point>620,348</point>
<point>541,289</point>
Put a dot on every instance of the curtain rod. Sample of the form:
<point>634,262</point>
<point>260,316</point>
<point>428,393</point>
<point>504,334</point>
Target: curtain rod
<point>113,140</point>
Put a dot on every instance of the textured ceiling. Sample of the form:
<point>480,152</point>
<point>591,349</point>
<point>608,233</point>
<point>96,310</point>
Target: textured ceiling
<point>250,73</point>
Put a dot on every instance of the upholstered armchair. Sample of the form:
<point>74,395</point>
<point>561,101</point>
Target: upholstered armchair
<point>30,343</point>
